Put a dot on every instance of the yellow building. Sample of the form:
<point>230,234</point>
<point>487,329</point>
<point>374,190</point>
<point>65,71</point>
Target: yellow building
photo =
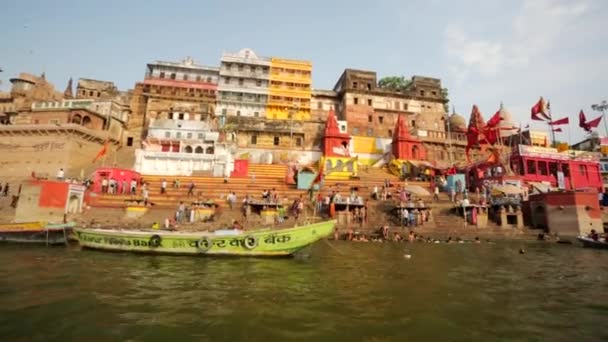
<point>289,91</point>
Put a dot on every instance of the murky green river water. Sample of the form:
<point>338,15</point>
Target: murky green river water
<point>353,292</point>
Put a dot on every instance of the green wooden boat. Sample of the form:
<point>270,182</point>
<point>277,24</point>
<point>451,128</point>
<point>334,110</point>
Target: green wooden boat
<point>262,242</point>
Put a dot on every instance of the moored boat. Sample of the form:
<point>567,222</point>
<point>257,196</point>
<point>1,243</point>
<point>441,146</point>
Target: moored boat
<point>261,242</point>
<point>589,242</point>
<point>36,232</point>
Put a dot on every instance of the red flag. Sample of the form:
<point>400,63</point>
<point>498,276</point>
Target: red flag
<point>494,120</point>
<point>539,111</point>
<point>472,140</point>
<point>559,129</point>
<point>563,121</point>
<point>587,125</point>
<point>102,152</point>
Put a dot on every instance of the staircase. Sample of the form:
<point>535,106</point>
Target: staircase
<point>267,177</point>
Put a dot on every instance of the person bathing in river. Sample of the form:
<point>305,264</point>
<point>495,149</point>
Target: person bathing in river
<point>411,237</point>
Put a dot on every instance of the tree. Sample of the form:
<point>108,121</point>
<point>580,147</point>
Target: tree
<point>396,83</point>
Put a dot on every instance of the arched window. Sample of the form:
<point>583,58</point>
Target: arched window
<point>188,149</point>
<point>198,149</point>
<point>77,119</point>
<point>209,150</point>
<point>86,122</point>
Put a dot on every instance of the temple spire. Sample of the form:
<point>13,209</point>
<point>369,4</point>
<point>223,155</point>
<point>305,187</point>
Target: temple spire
<point>68,90</point>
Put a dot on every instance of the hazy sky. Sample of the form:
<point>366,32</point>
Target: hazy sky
<point>484,51</point>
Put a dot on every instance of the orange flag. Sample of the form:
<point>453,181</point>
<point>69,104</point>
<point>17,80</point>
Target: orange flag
<point>102,152</point>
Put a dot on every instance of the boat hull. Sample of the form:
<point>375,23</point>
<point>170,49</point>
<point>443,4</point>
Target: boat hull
<point>262,243</point>
<point>35,232</point>
<point>590,243</point>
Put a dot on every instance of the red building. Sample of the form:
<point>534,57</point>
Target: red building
<point>533,164</point>
<point>405,147</point>
<point>335,144</point>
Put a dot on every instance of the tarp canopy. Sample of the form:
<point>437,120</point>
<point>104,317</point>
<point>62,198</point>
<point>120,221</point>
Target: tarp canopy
<point>540,187</point>
<point>507,189</point>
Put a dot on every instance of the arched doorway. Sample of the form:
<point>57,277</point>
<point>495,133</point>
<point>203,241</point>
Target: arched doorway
<point>188,149</point>
<point>77,119</point>
<point>415,152</point>
<point>74,204</point>
<point>198,149</point>
<point>209,150</point>
<point>86,122</point>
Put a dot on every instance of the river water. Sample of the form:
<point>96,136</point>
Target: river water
<point>340,292</point>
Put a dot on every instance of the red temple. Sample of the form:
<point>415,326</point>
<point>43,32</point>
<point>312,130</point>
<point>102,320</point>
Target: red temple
<point>404,145</point>
<point>335,143</point>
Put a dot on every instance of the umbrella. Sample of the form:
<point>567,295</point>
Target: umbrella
<point>417,190</point>
<point>507,189</point>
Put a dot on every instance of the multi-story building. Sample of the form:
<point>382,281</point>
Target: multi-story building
<point>95,89</point>
<point>169,88</point>
<point>183,145</point>
<point>243,85</point>
<point>289,93</point>
<point>372,112</point>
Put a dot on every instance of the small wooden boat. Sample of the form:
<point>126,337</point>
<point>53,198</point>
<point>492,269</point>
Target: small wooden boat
<point>589,242</point>
<point>262,242</point>
<point>36,232</point>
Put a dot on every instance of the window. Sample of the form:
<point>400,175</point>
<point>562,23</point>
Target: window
<point>355,130</point>
<point>566,170</point>
<point>173,76</point>
<point>542,167</point>
<point>228,66</point>
<point>369,102</point>
<point>413,123</point>
<point>162,74</point>
<point>434,93</point>
<point>209,80</point>
<point>390,132</point>
<point>241,81</point>
<point>553,169</point>
<point>356,100</point>
<point>256,114</point>
<point>240,67</point>
<point>397,106</point>
<point>422,93</point>
<point>130,141</point>
<point>380,119</point>
<point>276,141</point>
<point>227,80</point>
<point>198,78</point>
<point>178,135</point>
<point>254,139</point>
<point>181,116</point>
<point>369,86</point>
<point>370,132</point>
<point>188,149</point>
<point>224,111</point>
<point>238,113</point>
<point>185,77</point>
<point>200,136</point>
<point>167,134</point>
<point>405,106</point>
<point>369,118</point>
<point>258,83</point>
<point>355,85</point>
<point>299,141</point>
<point>531,166</point>
<point>91,93</point>
<point>198,149</point>
<point>189,135</point>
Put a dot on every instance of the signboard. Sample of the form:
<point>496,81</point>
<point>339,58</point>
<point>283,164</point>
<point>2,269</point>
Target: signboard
<point>552,153</point>
<point>561,183</point>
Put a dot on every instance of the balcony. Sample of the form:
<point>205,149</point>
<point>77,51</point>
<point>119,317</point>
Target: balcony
<point>289,92</point>
<point>245,73</point>
<point>290,77</point>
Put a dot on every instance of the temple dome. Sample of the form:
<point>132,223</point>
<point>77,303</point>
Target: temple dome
<point>506,124</point>
<point>457,122</point>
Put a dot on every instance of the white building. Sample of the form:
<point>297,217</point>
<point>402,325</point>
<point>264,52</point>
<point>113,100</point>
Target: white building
<point>184,147</point>
<point>243,85</point>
